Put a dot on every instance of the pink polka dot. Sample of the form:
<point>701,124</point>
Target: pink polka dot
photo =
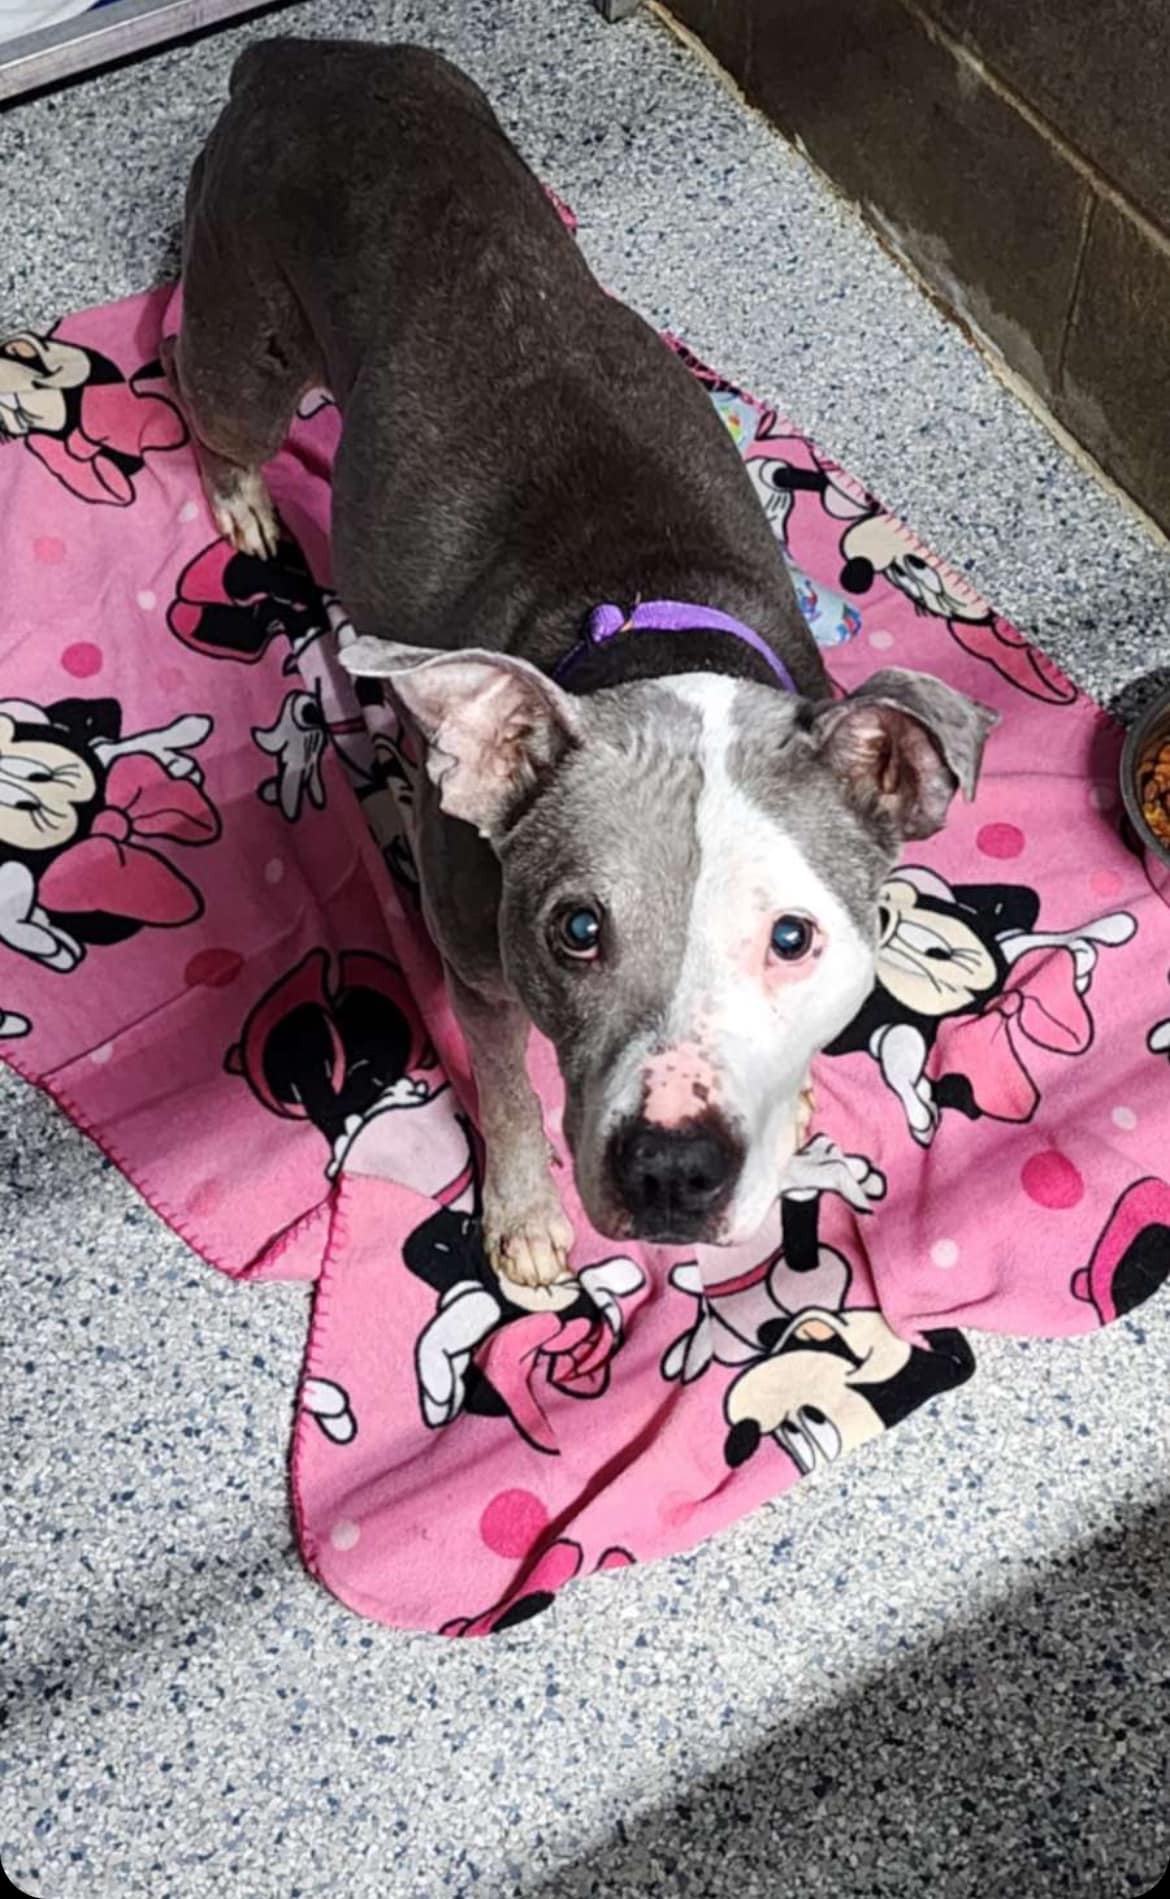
<point>170,678</point>
<point>1000,840</point>
<point>1102,797</point>
<point>945,1254</point>
<point>213,968</point>
<point>512,1522</point>
<point>1107,883</point>
<point>49,549</point>
<point>82,660</point>
<point>345,1535</point>
<point>1051,1180</point>
<point>880,640</point>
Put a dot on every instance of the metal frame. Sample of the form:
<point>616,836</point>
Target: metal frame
<point>115,32</point>
<point>77,46</point>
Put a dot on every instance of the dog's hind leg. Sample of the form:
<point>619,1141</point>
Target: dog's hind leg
<point>239,366</point>
<point>236,491</point>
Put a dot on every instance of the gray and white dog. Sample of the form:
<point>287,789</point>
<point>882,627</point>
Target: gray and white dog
<point>647,827</point>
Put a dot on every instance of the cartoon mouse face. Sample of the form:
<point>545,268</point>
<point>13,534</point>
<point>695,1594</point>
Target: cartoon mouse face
<point>35,374</point>
<point>811,1393</point>
<point>48,788</point>
<point>772,482</point>
<point>836,1379</point>
<point>930,958</point>
<point>877,545</point>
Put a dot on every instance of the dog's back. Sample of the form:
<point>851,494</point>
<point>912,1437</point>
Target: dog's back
<point>359,218</point>
<point>341,168</point>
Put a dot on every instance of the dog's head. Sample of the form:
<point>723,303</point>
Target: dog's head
<point>691,871</point>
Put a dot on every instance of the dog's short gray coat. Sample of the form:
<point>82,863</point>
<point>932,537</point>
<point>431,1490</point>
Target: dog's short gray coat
<point>517,448</point>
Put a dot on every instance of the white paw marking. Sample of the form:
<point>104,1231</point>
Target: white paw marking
<point>532,1250</point>
<point>247,518</point>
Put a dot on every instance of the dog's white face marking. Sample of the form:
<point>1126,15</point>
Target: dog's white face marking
<point>687,903</point>
<point>773,969</point>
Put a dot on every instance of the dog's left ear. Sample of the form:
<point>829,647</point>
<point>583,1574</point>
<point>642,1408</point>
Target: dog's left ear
<point>493,724</point>
<point>903,744</point>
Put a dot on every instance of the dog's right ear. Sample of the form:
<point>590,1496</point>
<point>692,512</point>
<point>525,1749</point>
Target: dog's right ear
<point>901,745</point>
<point>493,724</point>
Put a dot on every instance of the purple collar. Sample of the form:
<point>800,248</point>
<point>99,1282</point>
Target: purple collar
<point>669,616</point>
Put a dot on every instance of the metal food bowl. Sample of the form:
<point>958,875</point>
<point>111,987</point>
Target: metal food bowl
<point>1151,730</point>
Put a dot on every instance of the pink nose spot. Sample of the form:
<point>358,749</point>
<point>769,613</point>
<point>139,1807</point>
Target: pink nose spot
<point>678,1085</point>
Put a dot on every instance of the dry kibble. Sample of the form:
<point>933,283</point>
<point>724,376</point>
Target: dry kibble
<point>1154,789</point>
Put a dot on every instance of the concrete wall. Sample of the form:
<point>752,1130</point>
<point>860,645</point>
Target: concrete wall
<point>1017,153</point>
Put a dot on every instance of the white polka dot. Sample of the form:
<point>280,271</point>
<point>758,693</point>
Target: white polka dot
<point>1124,1118</point>
<point>189,511</point>
<point>1102,797</point>
<point>881,640</point>
<point>147,600</point>
<point>100,1056</point>
<point>944,1253</point>
<point>274,870</point>
<point>345,1534</point>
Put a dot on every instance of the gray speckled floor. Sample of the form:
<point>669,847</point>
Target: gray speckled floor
<point>942,1668</point>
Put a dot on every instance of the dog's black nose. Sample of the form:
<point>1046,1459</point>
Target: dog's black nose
<point>672,1180</point>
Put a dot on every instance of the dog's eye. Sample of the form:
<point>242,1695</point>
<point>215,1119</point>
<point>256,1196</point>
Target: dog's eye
<point>792,938</point>
<point>579,931</point>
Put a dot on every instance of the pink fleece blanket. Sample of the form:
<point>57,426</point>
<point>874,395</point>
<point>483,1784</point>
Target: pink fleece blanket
<point>210,955</point>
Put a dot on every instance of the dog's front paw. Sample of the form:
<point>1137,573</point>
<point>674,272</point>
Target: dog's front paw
<point>531,1248</point>
<point>245,516</point>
